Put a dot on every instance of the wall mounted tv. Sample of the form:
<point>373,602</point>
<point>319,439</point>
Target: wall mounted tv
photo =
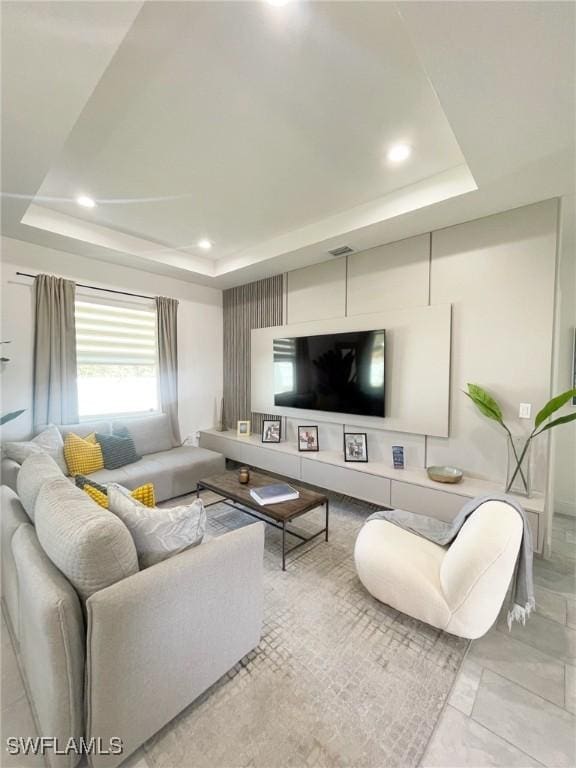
<point>337,372</point>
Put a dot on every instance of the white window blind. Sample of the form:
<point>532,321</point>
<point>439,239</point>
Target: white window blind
<point>116,350</point>
<point>112,335</point>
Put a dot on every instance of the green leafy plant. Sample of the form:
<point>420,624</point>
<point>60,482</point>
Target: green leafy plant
<point>488,406</point>
<point>13,414</point>
<point>10,416</point>
<point>5,359</point>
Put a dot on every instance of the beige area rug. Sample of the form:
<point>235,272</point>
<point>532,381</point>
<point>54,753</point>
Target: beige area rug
<point>338,679</point>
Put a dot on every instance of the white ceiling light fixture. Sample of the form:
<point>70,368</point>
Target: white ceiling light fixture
<point>398,153</point>
<point>205,244</point>
<point>85,201</point>
<point>278,3</point>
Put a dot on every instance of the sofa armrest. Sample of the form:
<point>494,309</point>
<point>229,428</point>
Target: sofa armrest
<point>10,469</point>
<point>158,639</point>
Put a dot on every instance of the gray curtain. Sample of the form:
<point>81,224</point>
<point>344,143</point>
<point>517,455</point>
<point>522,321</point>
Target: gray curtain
<point>254,305</point>
<point>167,323</point>
<point>55,387</point>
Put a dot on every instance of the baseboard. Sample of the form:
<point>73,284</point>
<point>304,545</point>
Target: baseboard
<point>565,507</point>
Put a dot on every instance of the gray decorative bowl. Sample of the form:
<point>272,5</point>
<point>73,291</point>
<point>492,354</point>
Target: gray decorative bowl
<point>445,474</point>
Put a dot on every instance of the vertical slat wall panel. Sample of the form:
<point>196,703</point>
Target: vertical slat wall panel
<point>255,305</point>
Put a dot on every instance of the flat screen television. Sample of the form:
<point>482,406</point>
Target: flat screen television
<point>337,372</point>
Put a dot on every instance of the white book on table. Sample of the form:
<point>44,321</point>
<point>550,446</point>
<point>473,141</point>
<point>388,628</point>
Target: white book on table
<point>274,494</point>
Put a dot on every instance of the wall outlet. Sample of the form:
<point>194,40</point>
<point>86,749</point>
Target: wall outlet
<point>525,410</point>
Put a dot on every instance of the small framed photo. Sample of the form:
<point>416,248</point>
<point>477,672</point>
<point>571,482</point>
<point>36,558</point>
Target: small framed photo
<point>243,428</point>
<point>398,456</point>
<point>355,446</point>
<point>308,439</point>
<point>271,430</point>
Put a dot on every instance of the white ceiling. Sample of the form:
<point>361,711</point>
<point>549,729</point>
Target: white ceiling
<point>265,128</point>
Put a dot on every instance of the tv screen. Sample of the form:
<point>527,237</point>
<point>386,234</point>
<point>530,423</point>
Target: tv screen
<point>337,372</point>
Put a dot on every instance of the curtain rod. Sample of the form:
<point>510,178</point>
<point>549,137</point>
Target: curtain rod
<point>96,288</point>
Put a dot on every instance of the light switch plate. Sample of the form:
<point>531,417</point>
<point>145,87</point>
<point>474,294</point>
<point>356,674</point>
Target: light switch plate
<point>525,410</point>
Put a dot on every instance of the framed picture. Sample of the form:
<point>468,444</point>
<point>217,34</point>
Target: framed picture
<point>355,446</point>
<point>243,428</point>
<point>308,438</point>
<point>271,430</point>
<point>398,456</point>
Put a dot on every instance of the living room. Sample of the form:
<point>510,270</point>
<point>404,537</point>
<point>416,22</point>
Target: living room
<point>321,251</point>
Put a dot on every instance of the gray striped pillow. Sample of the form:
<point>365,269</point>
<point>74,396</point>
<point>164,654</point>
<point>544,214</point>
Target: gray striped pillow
<point>117,451</point>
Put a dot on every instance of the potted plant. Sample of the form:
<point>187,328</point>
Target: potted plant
<point>4,419</point>
<point>519,447</point>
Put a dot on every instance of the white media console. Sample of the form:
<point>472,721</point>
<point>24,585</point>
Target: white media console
<point>376,482</point>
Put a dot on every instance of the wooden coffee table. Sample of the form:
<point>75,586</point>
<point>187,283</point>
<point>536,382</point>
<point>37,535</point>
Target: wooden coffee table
<point>234,493</point>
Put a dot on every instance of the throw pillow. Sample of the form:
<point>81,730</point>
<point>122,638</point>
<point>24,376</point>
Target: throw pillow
<point>99,493</point>
<point>48,441</point>
<point>34,472</point>
<point>83,455</point>
<point>91,546</point>
<point>117,451</point>
<point>151,434</point>
<point>158,533</point>
<point>100,498</point>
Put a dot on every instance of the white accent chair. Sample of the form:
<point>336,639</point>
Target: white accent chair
<point>459,588</point>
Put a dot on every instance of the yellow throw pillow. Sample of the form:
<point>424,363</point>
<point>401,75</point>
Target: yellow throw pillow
<point>144,494</point>
<point>96,495</point>
<point>83,455</point>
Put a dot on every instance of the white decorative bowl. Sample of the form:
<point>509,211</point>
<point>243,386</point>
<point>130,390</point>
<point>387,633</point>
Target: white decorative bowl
<point>445,474</point>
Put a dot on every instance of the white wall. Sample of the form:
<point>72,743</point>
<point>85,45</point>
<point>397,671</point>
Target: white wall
<point>499,275</point>
<point>199,329</point>
<point>564,448</point>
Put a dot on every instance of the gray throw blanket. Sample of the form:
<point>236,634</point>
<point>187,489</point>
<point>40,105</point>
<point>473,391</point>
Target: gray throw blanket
<point>522,595</point>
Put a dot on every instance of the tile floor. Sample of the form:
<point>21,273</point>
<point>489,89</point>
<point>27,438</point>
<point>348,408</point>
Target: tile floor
<point>513,703</point>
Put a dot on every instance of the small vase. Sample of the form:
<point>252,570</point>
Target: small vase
<point>518,466</point>
<point>221,425</point>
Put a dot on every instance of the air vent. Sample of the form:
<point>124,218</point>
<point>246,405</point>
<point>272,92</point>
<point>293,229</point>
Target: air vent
<point>343,250</point>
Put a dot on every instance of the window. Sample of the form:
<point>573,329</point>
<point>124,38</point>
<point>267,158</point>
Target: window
<point>117,359</point>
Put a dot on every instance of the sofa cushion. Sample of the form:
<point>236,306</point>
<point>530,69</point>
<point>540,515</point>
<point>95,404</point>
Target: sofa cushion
<point>173,473</point>
<point>34,472</point>
<point>85,428</point>
<point>13,516</point>
<point>48,441</point>
<point>91,546</point>
<point>151,434</point>
<point>158,533</point>
<point>9,470</point>
<point>83,455</point>
<point>117,451</point>
<point>51,646</point>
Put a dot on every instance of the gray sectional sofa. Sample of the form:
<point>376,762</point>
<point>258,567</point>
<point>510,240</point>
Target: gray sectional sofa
<point>108,650</point>
<point>174,470</point>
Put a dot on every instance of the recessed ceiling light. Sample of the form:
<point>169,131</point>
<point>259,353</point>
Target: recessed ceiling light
<point>398,153</point>
<point>85,201</point>
<point>277,2</point>
<point>205,244</point>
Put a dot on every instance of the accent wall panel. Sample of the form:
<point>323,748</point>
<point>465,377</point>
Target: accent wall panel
<point>317,292</point>
<point>417,369</point>
<point>392,276</point>
<point>498,273</point>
